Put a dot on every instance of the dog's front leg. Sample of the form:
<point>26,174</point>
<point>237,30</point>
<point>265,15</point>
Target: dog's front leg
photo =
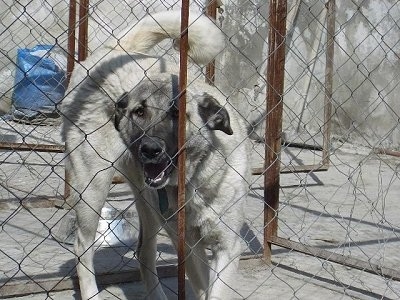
<point>88,211</point>
<point>197,264</point>
<point>147,249</point>
<point>84,251</point>
<point>196,261</point>
<point>223,269</point>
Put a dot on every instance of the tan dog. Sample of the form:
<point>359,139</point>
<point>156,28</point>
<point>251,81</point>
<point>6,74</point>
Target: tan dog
<point>123,117</point>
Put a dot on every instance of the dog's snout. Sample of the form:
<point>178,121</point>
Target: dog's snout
<point>151,148</point>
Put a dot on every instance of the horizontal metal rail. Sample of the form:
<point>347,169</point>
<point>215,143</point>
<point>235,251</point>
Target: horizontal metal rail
<point>337,258</point>
<point>52,283</point>
<point>32,147</point>
<point>294,169</point>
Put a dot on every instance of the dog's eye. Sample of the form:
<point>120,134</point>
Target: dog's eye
<point>139,112</point>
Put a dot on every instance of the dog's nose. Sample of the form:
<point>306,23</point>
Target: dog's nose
<point>151,148</point>
<point>151,151</point>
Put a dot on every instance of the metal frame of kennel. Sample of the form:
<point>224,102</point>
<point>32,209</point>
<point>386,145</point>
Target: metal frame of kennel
<point>275,78</point>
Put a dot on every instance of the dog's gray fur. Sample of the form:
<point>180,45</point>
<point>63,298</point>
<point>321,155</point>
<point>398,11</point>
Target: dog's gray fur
<point>123,117</point>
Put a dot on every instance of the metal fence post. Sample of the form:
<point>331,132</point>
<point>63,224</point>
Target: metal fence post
<point>83,29</point>
<point>275,79</point>
<point>181,146</point>
<point>330,46</point>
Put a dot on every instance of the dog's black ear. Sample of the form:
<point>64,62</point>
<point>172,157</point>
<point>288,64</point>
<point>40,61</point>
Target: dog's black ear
<point>120,109</point>
<point>214,115</point>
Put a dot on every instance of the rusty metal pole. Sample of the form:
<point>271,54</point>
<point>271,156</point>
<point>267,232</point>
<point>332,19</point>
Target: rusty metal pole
<point>210,68</point>
<point>330,46</point>
<point>83,29</point>
<point>275,83</point>
<point>183,47</point>
<point>82,52</point>
<point>71,38</point>
<point>70,68</point>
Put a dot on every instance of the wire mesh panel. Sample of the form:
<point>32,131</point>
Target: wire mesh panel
<point>337,230</point>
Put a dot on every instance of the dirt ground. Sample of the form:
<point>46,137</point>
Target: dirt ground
<point>352,209</point>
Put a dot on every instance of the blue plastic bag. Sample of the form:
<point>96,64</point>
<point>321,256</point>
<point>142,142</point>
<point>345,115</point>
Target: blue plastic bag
<point>40,82</point>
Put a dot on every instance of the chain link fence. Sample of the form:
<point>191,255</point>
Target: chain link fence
<point>336,224</point>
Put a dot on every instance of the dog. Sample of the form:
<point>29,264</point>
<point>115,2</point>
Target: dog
<point>120,115</point>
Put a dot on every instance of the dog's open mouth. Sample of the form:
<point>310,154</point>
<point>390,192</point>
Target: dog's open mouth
<point>156,175</point>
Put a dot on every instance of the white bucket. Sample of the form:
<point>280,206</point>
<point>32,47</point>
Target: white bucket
<point>116,228</point>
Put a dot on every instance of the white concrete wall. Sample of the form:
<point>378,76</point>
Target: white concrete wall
<point>366,67</point>
<point>366,61</point>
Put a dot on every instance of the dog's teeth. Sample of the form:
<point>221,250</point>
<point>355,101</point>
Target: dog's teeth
<point>150,180</point>
<point>159,177</point>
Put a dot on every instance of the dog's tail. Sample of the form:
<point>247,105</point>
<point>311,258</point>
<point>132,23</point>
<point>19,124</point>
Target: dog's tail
<point>205,38</point>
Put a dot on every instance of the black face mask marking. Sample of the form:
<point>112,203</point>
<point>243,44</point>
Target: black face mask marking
<point>120,109</point>
<point>157,160</point>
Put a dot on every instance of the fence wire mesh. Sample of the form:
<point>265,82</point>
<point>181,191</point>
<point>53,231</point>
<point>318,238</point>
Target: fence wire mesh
<point>338,222</point>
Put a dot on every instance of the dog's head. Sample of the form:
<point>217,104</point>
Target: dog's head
<point>147,119</point>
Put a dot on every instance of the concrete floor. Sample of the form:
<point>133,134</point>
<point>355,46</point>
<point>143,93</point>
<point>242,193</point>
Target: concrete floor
<point>352,209</point>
